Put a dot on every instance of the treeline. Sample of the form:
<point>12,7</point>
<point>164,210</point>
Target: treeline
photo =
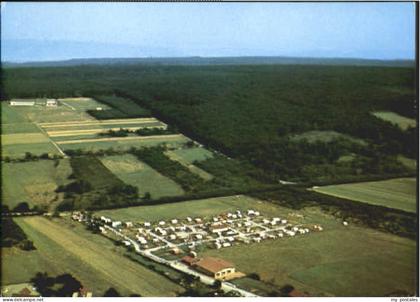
<point>123,132</point>
<point>378,217</point>
<point>248,112</point>
<point>13,235</point>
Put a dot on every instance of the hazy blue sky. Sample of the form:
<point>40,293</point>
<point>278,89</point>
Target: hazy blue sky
<point>362,30</point>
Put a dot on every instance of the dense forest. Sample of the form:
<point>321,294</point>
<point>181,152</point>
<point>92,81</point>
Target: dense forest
<point>251,112</point>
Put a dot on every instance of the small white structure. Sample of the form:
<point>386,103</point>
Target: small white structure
<point>98,108</point>
<point>147,224</point>
<point>215,219</point>
<point>127,243</point>
<point>172,236</point>
<point>129,224</point>
<point>345,223</point>
<point>174,221</point>
<point>283,221</point>
<point>116,224</point>
<point>198,220</point>
<point>226,244</point>
<point>189,219</point>
<point>257,213</point>
<point>51,103</point>
<point>218,245</point>
<point>162,222</point>
<point>22,103</point>
<point>199,236</point>
<point>102,229</point>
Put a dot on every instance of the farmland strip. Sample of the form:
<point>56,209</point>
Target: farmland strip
<point>151,137</point>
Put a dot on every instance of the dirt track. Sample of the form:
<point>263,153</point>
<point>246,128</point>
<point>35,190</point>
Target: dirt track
<point>110,139</point>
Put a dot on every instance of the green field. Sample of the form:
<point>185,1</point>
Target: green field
<point>190,155</point>
<point>134,172</point>
<point>83,104</point>
<point>19,135</point>
<point>325,137</point>
<point>119,108</point>
<point>19,150</point>
<point>398,193</point>
<point>396,119</point>
<point>342,261</point>
<point>66,247</point>
<point>194,169</point>
<point>204,207</point>
<point>34,182</point>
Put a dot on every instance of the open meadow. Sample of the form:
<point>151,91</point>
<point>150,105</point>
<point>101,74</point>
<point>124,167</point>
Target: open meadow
<point>399,193</point>
<point>65,247</point>
<point>339,261</point>
<point>396,119</point>
<point>33,182</point>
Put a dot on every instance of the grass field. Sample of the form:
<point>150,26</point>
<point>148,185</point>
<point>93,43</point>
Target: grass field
<point>325,136</point>
<point>83,104</point>
<point>134,172</point>
<point>119,108</point>
<point>33,182</point>
<point>394,118</point>
<point>191,155</point>
<point>63,247</point>
<point>19,150</point>
<point>194,169</point>
<point>399,193</point>
<point>342,261</point>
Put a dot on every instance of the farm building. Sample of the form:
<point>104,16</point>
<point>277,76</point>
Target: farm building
<point>215,267</point>
<point>22,103</point>
<point>51,103</point>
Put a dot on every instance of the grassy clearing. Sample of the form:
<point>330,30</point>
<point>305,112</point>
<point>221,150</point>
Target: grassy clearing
<point>119,108</point>
<point>312,262</point>
<point>83,104</point>
<point>134,172</point>
<point>408,162</point>
<point>191,155</point>
<point>396,119</point>
<point>92,259</point>
<point>194,169</point>
<point>34,182</point>
<point>61,113</point>
<point>325,136</point>
<point>398,193</point>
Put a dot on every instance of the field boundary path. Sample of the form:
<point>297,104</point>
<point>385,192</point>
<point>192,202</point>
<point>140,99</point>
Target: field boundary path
<point>52,142</point>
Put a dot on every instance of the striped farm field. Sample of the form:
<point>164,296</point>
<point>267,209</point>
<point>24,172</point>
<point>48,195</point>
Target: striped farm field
<point>98,122</point>
<point>93,131</point>
<point>113,139</point>
<point>399,193</point>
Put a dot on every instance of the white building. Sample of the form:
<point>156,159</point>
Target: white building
<point>22,103</point>
<point>51,103</point>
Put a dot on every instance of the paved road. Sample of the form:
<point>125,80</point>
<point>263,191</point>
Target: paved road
<point>226,286</point>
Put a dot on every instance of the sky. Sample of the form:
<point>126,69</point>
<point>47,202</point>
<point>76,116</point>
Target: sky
<point>53,31</point>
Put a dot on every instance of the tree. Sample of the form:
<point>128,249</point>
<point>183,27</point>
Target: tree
<point>147,196</point>
<point>112,292</point>
<point>22,207</point>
